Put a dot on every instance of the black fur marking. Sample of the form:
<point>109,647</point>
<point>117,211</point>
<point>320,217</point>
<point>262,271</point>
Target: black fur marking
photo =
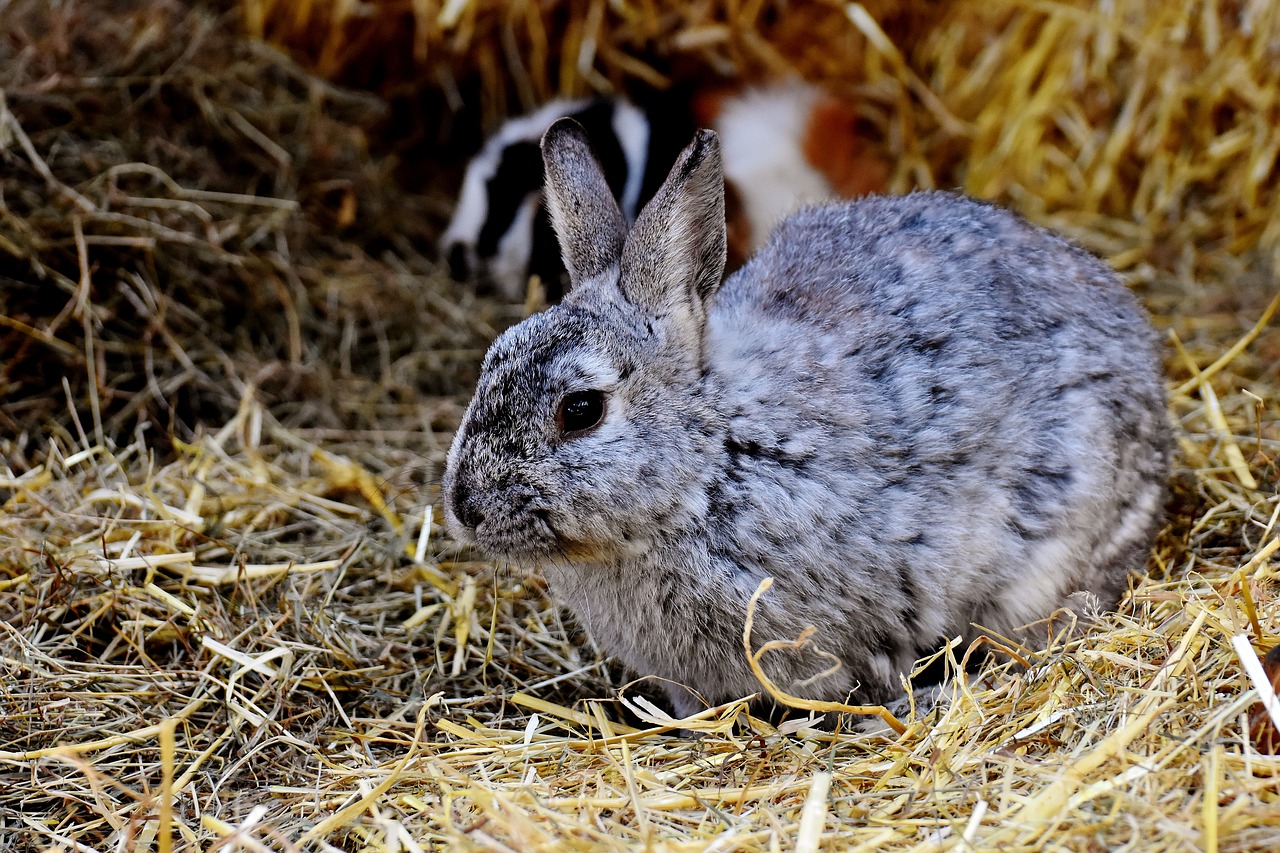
<point>908,308</point>
<point>789,303</point>
<point>544,257</point>
<point>878,369</point>
<point>696,156</point>
<point>901,475</point>
<point>913,222</point>
<point>910,596</point>
<point>754,450</point>
<point>1083,382</point>
<point>889,448</point>
<point>718,505</point>
<point>777,539</point>
<point>1058,480</point>
<point>519,173</point>
<point>668,136</point>
<point>1025,532</point>
<point>459,268</point>
<point>884,643</point>
<point>928,345</point>
<point>1031,499</point>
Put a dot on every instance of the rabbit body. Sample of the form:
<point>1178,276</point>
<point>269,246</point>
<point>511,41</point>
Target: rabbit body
<point>916,414</point>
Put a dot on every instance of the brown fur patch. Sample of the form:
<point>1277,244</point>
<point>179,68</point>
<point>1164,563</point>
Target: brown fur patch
<point>835,147</point>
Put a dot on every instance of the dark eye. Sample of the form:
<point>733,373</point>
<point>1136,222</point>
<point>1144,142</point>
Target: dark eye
<point>579,412</point>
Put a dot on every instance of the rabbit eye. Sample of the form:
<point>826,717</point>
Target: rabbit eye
<point>579,412</point>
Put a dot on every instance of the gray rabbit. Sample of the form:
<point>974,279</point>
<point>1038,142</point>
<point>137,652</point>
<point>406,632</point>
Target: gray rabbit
<point>916,414</point>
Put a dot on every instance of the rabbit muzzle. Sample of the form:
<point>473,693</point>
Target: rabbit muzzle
<point>510,520</point>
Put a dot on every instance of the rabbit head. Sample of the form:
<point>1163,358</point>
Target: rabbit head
<point>592,408</point>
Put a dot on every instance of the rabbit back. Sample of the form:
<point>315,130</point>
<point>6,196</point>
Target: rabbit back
<point>967,401</point>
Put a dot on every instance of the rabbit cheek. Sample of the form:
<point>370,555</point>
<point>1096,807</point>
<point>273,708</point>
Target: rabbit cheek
<point>581,553</point>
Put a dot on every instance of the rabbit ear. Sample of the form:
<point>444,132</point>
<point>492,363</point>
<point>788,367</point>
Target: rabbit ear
<point>584,213</point>
<point>674,259</point>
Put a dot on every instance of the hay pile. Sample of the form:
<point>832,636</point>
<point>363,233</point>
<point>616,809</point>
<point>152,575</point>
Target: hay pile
<point>230,368</point>
<point>1140,127</point>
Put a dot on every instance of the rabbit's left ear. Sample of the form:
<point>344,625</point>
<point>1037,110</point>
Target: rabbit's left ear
<point>584,213</point>
<point>673,261</point>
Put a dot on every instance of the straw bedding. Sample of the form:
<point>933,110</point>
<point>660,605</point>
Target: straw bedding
<point>229,616</point>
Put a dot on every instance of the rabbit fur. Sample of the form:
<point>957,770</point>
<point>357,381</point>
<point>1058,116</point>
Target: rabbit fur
<point>917,414</point>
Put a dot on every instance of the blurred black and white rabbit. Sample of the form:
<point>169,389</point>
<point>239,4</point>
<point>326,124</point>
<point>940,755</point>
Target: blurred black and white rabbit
<point>917,414</point>
<point>785,144</point>
<point>500,233</point>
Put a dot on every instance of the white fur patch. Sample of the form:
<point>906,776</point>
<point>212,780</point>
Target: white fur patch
<point>632,130</point>
<point>597,370</point>
<point>762,135</point>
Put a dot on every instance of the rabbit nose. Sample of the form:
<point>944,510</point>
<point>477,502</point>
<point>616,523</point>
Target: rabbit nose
<point>464,506</point>
<point>459,268</point>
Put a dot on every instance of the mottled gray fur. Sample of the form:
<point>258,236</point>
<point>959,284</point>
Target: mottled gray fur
<point>915,413</point>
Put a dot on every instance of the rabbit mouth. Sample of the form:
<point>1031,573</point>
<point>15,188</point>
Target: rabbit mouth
<point>534,538</point>
<point>520,537</point>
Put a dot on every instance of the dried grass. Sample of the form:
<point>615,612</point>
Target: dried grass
<point>229,620</point>
<point>1140,127</point>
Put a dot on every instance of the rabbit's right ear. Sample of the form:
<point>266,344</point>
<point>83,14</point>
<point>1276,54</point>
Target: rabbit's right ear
<point>673,261</point>
<point>584,213</point>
